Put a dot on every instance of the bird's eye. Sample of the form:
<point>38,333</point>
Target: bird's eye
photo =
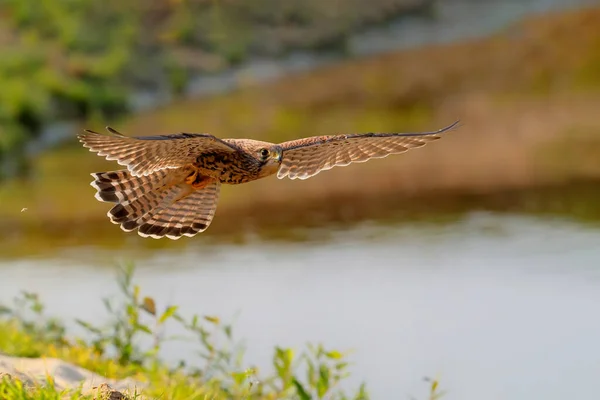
<point>264,153</point>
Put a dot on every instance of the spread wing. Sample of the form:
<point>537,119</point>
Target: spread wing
<point>304,158</point>
<point>144,155</point>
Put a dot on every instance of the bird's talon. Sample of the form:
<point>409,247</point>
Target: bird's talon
<point>197,181</point>
<point>200,185</point>
<point>191,178</point>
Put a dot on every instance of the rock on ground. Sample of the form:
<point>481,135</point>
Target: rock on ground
<point>34,371</point>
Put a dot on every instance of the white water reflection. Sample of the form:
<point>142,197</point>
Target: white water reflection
<point>498,307</point>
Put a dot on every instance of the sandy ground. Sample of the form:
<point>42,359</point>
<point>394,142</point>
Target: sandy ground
<point>34,371</point>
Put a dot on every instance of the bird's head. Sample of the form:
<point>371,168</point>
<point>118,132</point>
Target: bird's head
<point>268,157</point>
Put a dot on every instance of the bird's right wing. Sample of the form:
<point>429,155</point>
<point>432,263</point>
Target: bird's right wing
<point>144,155</point>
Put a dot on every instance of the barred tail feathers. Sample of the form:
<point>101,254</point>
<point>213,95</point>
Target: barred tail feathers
<point>122,187</point>
<point>158,205</point>
<point>188,216</point>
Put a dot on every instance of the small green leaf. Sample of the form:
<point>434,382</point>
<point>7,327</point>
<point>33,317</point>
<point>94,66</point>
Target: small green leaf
<point>302,393</point>
<point>167,314</point>
<point>107,304</point>
<point>180,319</point>
<point>88,326</point>
<point>214,320</point>
<point>321,389</point>
<point>288,357</point>
<point>438,395</point>
<point>324,373</point>
<point>362,393</point>
<point>323,383</point>
<point>143,328</point>
<point>131,312</point>
<point>310,373</point>
<point>227,330</point>
<point>334,355</point>
<point>341,366</point>
<point>239,377</point>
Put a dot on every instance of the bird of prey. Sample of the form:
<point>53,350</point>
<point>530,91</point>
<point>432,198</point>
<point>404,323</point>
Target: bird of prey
<point>170,186</point>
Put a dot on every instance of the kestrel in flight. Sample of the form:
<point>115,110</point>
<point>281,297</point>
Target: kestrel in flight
<point>170,186</point>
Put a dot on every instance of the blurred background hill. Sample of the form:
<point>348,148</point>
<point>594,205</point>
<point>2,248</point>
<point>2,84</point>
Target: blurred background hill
<point>514,189</point>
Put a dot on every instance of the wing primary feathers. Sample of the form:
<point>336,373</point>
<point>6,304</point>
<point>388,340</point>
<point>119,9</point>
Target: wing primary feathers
<point>109,129</point>
<point>114,131</point>
<point>450,127</point>
<point>456,124</point>
<point>178,136</point>
<point>320,140</point>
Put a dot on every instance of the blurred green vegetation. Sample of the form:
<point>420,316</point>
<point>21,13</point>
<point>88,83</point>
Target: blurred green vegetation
<point>82,59</point>
<point>61,60</point>
<point>115,350</point>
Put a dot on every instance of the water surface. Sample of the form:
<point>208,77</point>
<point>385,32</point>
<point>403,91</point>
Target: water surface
<point>496,305</point>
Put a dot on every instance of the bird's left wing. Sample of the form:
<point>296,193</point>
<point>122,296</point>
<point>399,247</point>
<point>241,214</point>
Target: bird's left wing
<point>143,155</point>
<point>304,158</point>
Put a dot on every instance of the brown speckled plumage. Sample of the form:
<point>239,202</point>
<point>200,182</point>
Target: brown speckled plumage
<point>170,187</point>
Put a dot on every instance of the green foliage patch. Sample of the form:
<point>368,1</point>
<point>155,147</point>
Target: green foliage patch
<point>83,59</point>
<point>128,345</point>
